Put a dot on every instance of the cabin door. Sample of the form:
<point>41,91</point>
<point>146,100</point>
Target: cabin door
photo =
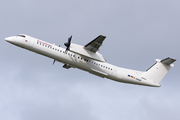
<point>114,72</point>
<point>31,41</point>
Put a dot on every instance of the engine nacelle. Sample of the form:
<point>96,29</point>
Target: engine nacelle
<point>80,50</point>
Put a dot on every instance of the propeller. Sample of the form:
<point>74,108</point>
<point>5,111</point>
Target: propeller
<point>67,44</point>
<point>54,61</point>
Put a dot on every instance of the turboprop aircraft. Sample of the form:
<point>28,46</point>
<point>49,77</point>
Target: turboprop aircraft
<point>88,59</point>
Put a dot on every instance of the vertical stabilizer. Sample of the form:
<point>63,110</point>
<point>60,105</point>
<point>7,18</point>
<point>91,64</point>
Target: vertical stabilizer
<point>158,70</point>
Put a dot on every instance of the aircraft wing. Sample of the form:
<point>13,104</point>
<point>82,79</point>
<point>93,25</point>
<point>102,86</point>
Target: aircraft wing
<point>94,45</point>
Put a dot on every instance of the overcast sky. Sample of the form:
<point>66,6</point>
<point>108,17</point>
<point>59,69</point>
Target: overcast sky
<point>138,32</point>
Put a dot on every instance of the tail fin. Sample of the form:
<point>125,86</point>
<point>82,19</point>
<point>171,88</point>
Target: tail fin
<point>158,70</point>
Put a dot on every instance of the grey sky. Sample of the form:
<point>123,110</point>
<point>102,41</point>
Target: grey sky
<point>137,33</point>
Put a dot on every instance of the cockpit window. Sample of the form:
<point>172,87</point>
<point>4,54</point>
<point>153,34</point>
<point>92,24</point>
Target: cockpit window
<point>21,36</point>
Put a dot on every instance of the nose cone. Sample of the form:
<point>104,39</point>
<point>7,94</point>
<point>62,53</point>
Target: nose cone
<point>10,39</point>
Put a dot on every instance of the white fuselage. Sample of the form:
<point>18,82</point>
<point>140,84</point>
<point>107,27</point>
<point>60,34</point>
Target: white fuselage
<point>76,60</point>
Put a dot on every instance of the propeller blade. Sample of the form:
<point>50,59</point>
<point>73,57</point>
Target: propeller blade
<point>54,61</point>
<point>67,44</point>
<point>69,39</point>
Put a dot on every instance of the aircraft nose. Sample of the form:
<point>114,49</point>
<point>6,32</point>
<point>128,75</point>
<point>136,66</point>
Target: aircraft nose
<point>9,39</point>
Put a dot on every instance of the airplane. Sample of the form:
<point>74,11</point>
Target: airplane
<point>88,58</point>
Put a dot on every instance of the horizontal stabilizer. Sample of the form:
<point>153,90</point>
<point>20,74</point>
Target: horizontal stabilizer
<point>168,61</point>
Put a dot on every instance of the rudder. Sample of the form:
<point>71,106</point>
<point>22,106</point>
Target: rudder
<point>158,70</point>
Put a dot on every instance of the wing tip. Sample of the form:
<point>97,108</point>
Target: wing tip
<point>102,36</point>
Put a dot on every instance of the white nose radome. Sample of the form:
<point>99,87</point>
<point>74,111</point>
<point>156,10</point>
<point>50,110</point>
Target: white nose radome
<point>10,39</point>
